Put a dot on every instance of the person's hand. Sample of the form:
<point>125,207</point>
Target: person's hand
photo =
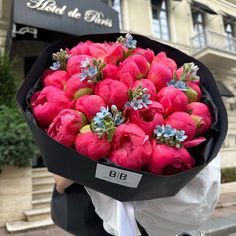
<point>61,183</point>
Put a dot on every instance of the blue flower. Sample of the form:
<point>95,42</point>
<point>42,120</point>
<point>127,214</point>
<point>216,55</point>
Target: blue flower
<point>180,135</point>
<point>159,130</point>
<point>145,100</point>
<point>179,84</point>
<point>104,112</point>
<point>169,131</point>
<point>83,75</point>
<point>55,65</point>
<point>85,63</point>
<point>136,104</point>
<point>92,71</point>
<point>129,42</point>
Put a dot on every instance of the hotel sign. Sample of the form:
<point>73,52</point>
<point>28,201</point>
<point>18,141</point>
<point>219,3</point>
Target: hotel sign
<point>74,17</point>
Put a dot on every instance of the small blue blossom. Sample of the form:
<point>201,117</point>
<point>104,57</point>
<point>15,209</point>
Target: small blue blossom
<point>169,131</point>
<point>55,65</point>
<point>92,71</point>
<point>179,84</point>
<point>85,63</point>
<point>145,100</point>
<point>83,75</point>
<point>159,130</point>
<point>136,104</point>
<point>103,113</point>
<point>129,42</point>
<point>180,135</point>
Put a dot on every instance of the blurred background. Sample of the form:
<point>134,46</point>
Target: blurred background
<point>205,30</point>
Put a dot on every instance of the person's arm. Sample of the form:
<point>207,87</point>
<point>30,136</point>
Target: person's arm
<point>61,183</point>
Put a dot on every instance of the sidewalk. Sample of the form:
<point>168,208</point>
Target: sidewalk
<point>222,222</point>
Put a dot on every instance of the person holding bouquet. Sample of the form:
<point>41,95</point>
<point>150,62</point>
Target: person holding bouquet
<point>138,125</point>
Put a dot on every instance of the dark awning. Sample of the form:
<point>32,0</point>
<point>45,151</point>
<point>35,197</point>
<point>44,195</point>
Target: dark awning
<point>203,7</point>
<point>229,17</point>
<point>223,90</point>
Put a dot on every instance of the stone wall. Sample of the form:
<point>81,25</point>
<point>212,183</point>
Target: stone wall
<point>15,193</point>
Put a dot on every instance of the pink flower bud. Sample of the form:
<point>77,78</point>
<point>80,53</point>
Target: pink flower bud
<point>75,88</point>
<point>149,85</point>
<point>89,105</point>
<point>142,64</point>
<point>166,160</point>
<point>56,78</point>
<point>182,121</point>
<point>110,72</point>
<point>200,115</point>
<point>81,49</point>
<point>114,54</point>
<point>74,64</point>
<point>195,94</point>
<point>98,50</point>
<point>172,99</point>
<point>112,92</point>
<point>159,75</point>
<point>91,146</point>
<point>162,59</point>
<point>146,53</point>
<point>66,125</point>
<point>148,118</point>
<point>130,147</point>
<point>47,103</point>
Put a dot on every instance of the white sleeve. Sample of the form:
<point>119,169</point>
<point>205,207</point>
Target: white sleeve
<point>188,209</point>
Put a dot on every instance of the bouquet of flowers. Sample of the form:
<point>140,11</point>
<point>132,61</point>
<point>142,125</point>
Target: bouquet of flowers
<point>118,105</point>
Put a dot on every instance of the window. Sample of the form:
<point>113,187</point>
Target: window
<point>115,4</point>
<point>199,29</point>
<point>229,31</point>
<point>160,20</point>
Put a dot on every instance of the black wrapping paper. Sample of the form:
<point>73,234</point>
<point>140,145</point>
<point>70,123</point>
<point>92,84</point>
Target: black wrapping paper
<point>120,183</point>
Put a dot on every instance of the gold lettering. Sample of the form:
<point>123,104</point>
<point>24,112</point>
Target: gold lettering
<point>75,14</point>
<point>97,17</point>
<point>47,5</point>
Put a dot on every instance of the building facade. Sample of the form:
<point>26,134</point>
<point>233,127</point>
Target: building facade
<point>205,30</point>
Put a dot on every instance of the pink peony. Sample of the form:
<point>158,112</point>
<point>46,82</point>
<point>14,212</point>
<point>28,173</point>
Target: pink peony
<point>148,118</point>
<point>110,72</point>
<point>142,64</point>
<point>194,94</point>
<point>56,78</point>
<point>47,103</point>
<point>130,147</point>
<point>91,146</point>
<point>172,99</point>
<point>112,92</point>
<point>166,160</point>
<point>75,88</point>
<point>145,83</point>
<point>74,64</point>
<point>114,54</point>
<point>98,50</point>
<point>159,75</point>
<point>200,115</point>
<point>148,54</point>
<point>182,121</point>
<point>81,49</point>
<point>162,59</point>
<point>89,105</point>
<point>66,125</point>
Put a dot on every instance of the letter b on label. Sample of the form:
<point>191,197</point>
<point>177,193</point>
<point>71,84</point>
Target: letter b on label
<point>117,175</point>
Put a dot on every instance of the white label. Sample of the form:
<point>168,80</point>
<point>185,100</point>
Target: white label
<point>118,176</point>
